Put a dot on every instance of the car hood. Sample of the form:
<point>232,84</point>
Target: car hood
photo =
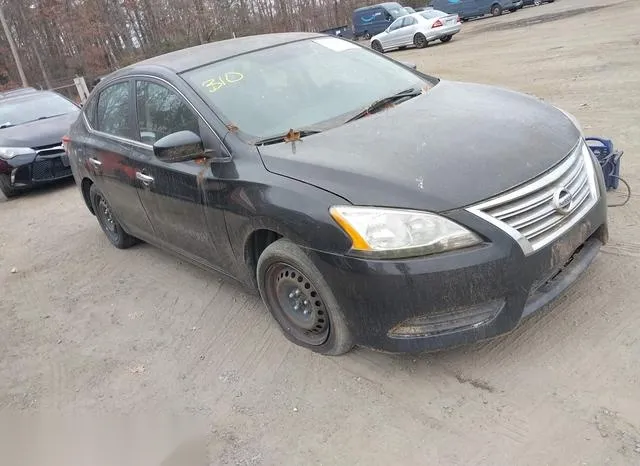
<point>456,145</point>
<point>37,133</point>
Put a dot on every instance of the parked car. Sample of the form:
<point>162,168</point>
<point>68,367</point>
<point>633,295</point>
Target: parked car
<point>468,9</point>
<point>32,124</point>
<point>370,20</point>
<point>536,2</point>
<point>339,31</point>
<point>369,203</point>
<point>417,29</point>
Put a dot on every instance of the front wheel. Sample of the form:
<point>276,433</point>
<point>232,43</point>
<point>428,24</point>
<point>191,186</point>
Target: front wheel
<point>377,46</point>
<point>6,188</point>
<point>110,226</point>
<point>420,41</point>
<point>300,300</point>
<point>496,10</point>
<point>446,38</point>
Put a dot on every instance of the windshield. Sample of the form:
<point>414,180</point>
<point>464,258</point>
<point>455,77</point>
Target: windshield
<point>299,85</point>
<point>397,12</point>
<point>20,110</point>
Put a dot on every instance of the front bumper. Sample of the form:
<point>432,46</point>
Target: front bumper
<point>31,170</point>
<point>377,296</point>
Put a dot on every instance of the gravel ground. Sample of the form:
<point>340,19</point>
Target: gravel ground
<point>90,332</point>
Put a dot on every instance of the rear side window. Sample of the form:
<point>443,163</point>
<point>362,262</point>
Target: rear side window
<point>408,21</point>
<point>114,110</point>
<point>161,112</point>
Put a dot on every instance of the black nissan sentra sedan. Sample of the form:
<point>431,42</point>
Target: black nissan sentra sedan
<point>370,204</point>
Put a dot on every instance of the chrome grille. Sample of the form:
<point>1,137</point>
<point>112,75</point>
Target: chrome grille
<point>51,149</point>
<point>542,210</point>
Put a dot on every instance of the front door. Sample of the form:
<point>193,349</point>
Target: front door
<point>109,155</point>
<point>393,37</point>
<point>173,193</point>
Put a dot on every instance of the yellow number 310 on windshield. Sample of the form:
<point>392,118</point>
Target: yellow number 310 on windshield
<point>230,77</point>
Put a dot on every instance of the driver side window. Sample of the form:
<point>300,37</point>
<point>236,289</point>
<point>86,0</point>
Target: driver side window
<point>395,25</point>
<point>161,111</point>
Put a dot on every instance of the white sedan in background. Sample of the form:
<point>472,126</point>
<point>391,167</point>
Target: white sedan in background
<point>417,29</point>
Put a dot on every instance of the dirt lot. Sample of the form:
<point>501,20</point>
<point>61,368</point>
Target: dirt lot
<point>86,329</point>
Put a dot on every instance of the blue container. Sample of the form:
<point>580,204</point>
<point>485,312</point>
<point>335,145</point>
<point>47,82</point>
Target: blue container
<point>609,160</point>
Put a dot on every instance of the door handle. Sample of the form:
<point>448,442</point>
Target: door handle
<point>95,162</point>
<point>145,179</point>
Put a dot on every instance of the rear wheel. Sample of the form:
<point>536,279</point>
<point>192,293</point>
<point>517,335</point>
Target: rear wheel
<point>446,38</point>
<point>537,2</point>
<point>111,227</point>
<point>6,188</point>
<point>301,301</point>
<point>496,10</point>
<point>420,41</point>
<point>377,46</point>
<point>366,35</point>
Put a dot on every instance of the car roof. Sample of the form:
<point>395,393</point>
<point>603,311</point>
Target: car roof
<point>17,92</point>
<point>378,5</point>
<point>22,94</point>
<point>194,57</point>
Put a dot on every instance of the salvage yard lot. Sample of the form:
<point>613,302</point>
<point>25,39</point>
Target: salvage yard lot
<point>86,328</point>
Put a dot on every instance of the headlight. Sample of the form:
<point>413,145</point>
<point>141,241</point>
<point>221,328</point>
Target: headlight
<point>394,233</point>
<point>574,120</point>
<point>11,152</point>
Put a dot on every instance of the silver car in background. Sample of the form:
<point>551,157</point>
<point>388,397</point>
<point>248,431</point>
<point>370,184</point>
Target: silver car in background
<point>417,29</point>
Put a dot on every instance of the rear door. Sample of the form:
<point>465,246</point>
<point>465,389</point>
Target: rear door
<point>479,7</point>
<point>407,31</point>
<point>109,156</point>
<point>173,193</point>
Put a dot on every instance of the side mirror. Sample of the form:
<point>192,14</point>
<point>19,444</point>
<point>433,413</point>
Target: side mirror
<point>179,147</point>
<point>409,65</point>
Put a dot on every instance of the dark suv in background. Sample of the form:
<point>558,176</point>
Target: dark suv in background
<point>32,124</point>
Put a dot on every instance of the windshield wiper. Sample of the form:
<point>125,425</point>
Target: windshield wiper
<point>381,103</point>
<point>48,116</point>
<point>283,137</point>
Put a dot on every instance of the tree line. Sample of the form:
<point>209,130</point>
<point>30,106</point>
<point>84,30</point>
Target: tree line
<point>60,39</point>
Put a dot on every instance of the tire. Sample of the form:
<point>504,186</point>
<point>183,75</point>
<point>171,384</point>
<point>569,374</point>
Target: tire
<point>420,41</point>
<point>110,226</point>
<point>366,35</point>
<point>496,10</point>
<point>537,2</point>
<point>377,46</point>
<point>288,278</point>
<point>446,39</point>
<point>6,188</point>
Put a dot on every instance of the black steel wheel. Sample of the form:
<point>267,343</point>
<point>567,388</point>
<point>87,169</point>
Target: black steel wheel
<point>292,294</point>
<point>108,222</point>
<point>420,41</point>
<point>300,300</point>
<point>377,46</point>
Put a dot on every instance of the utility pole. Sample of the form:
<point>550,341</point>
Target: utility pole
<point>12,45</point>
